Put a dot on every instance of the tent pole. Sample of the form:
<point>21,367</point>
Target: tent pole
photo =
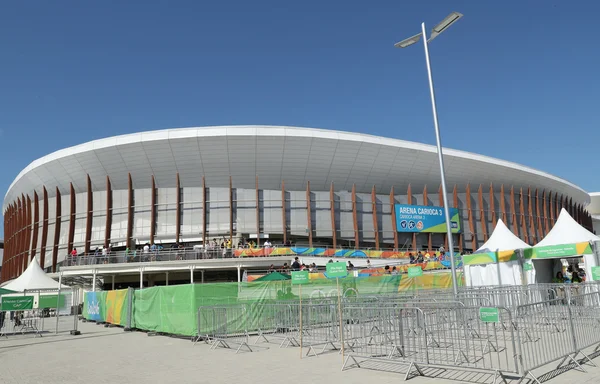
<point>94,281</point>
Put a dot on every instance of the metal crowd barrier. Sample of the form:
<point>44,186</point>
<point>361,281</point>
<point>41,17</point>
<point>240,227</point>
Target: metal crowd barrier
<point>432,335</point>
<point>224,326</point>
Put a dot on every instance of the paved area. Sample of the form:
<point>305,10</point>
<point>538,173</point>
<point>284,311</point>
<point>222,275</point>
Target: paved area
<point>110,355</point>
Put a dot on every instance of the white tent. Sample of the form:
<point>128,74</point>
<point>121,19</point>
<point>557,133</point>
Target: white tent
<point>509,273</point>
<point>33,278</point>
<point>567,231</point>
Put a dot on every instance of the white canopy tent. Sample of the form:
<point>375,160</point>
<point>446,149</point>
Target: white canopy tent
<point>34,278</point>
<point>567,231</point>
<point>508,273</point>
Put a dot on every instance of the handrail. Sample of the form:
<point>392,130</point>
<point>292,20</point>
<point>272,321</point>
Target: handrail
<point>197,253</point>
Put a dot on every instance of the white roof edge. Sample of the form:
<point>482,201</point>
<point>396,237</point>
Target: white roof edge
<point>276,131</point>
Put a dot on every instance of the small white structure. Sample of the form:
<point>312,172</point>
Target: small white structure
<point>497,273</point>
<point>34,278</point>
<point>567,239</point>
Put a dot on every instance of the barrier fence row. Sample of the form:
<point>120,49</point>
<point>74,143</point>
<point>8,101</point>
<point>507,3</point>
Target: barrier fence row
<point>502,331</point>
<point>39,313</point>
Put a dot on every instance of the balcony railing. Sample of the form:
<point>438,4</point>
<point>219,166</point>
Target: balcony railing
<point>181,254</point>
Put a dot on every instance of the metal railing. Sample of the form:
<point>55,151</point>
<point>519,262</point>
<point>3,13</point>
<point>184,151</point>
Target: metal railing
<point>179,254</point>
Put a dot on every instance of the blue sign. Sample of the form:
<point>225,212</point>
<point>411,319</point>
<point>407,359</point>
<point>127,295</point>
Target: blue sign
<point>93,306</point>
<point>420,218</point>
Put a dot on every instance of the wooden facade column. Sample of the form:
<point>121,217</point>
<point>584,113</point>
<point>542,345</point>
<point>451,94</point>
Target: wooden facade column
<point>394,226</point>
<point>257,215</point>
<point>29,228</point>
<point>23,252</point>
<point>90,215</point>
<point>72,213</point>
<point>332,209</point>
<point>426,202</point>
<point>522,214</point>
<point>230,209</point>
<point>460,235</point>
<point>203,211</point>
<point>44,229</point>
<point>36,219</point>
<point>482,218</point>
<point>413,246</point>
<point>283,212</point>
<point>109,213</point>
<point>130,203</point>
<point>492,206</point>
<point>538,210</point>
<point>375,223</point>
<point>17,236</point>
<point>533,235</point>
<point>552,205</point>
<point>441,200</point>
<point>471,224</point>
<point>513,212</point>
<point>503,205</point>
<point>153,210</point>
<point>178,208</point>
<point>545,212</point>
<point>58,220</point>
<point>354,217</point>
<point>309,215</point>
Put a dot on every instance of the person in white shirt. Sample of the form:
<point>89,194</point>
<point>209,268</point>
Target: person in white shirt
<point>267,244</point>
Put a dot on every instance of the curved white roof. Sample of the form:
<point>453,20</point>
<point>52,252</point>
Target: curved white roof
<point>274,154</point>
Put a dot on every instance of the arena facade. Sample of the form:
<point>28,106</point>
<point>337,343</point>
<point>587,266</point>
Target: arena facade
<point>310,187</point>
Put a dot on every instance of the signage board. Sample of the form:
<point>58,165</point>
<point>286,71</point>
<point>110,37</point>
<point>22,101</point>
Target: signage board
<point>300,277</point>
<point>420,218</point>
<point>415,271</point>
<point>51,301</point>
<point>335,270</point>
<point>489,315</point>
<point>555,251</point>
<point>528,267</point>
<point>595,273</point>
<point>17,303</point>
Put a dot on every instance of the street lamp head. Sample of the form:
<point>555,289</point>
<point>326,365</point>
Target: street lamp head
<point>444,24</point>
<point>408,42</point>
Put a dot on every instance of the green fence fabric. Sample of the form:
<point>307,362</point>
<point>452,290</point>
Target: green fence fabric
<point>174,309</point>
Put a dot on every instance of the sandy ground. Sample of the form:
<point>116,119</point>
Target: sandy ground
<point>110,355</point>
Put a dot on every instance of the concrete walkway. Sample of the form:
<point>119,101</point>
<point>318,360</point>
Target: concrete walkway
<point>109,355</point>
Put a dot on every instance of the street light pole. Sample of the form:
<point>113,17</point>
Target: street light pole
<point>452,18</point>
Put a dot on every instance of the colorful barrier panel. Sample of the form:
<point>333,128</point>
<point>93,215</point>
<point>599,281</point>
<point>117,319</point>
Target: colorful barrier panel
<point>328,252</point>
<point>106,306</point>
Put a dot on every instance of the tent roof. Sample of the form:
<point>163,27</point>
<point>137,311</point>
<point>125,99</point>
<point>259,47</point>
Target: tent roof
<point>5,291</point>
<point>33,278</point>
<point>566,231</point>
<point>502,239</point>
<point>274,276</point>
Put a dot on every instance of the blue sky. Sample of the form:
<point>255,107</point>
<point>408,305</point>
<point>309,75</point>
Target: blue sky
<point>516,80</point>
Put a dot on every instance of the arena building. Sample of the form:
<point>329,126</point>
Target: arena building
<point>317,188</point>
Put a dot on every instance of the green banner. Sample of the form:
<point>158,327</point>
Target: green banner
<point>595,273</point>
<point>555,251</point>
<point>415,271</point>
<point>528,267</point>
<point>300,277</point>
<point>51,301</point>
<point>489,315</point>
<point>17,303</point>
<point>336,270</point>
